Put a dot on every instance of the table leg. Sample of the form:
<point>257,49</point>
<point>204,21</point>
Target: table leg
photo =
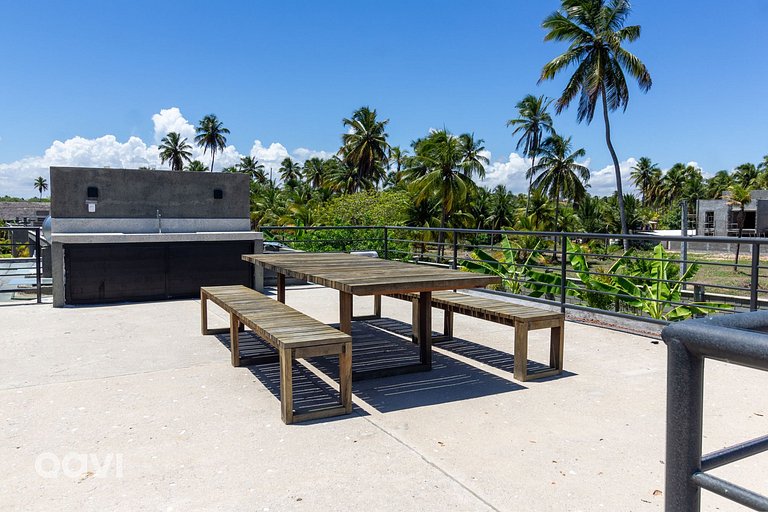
<point>345,312</point>
<point>424,328</point>
<point>281,288</point>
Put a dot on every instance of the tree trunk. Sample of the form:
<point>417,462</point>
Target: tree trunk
<point>619,190</point>
<point>530,184</point>
<point>740,223</point>
<point>557,214</point>
<point>213,156</point>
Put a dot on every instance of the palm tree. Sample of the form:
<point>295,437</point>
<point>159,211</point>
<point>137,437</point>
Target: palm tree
<point>532,122</point>
<point>502,209</point>
<point>746,175</point>
<point>473,159</point>
<point>595,32</point>
<point>290,172</point>
<point>673,182</point>
<point>344,178</point>
<point>445,167</point>
<point>314,172</point>
<point>558,173</point>
<point>644,175</point>
<point>40,184</point>
<point>740,196</point>
<point>398,158</point>
<point>250,166</point>
<point>365,146</point>
<point>211,136</point>
<point>718,184</point>
<point>175,150</point>
<point>196,166</point>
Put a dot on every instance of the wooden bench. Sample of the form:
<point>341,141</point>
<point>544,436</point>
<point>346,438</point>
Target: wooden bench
<point>522,318</point>
<point>294,336</point>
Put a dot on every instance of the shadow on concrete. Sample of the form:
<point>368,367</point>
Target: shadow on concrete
<point>309,391</point>
<point>374,348</point>
<point>448,381</point>
<point>495,358</point>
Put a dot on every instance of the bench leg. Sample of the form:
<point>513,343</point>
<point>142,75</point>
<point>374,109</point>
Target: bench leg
<point>345,377</point>
<point>556,344</point>
<point>521,351</point>
<point>377,306</point>
<point>424,332</point>
<point>447,324</point>
<point>286,385</point>
<point>203,313</point>
<point>415,320</point>
<point>234,339</point>
<point>281,288</point>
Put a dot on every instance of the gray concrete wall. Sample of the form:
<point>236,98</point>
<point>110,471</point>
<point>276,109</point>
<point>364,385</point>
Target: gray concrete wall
<point>132,193</point>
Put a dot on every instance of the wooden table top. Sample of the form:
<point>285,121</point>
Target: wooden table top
<point>362,275</point>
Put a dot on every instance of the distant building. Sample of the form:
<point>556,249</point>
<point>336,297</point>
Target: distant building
<point>717,218</point>
<point>24,213</point>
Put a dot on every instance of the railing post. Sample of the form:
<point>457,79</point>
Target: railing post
<point>455,263</point>
<point>563,273</point>
<point>685,391</point>
<point>755,277</point>
<point>38,266</point>
<point>386,244</point>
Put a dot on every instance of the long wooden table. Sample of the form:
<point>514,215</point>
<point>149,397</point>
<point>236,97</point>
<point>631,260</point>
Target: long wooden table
<point>360,275</point>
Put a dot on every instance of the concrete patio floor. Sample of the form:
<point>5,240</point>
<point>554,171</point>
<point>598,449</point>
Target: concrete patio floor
<point>167,423</point>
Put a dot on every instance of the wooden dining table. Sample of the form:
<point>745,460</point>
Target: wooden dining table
<point>352,275</point>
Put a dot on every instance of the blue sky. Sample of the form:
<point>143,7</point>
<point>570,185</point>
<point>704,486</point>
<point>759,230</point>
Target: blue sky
<point>98,83</point>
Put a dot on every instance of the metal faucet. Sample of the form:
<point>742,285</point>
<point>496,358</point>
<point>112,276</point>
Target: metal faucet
<point>159,226</point>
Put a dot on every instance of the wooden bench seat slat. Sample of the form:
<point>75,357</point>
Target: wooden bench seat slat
<point>292,333</point>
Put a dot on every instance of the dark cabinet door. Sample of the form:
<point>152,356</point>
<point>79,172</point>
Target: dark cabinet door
<point>108,273</point>
<point>193,265</point>
<point>100,273</point>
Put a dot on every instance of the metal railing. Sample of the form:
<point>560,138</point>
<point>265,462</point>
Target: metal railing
<point>736,339</point>
<point>16,241</point>
<point>541,266</point>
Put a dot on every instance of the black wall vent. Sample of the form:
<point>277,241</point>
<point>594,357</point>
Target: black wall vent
<point>93,192</point>
<point>218,193</point>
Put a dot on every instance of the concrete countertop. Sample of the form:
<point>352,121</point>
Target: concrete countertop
<point>202,236</point>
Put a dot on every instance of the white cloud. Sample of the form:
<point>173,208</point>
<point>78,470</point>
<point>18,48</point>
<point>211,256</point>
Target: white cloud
<point>603,182</point>
<point>510,172</point>
<point>16,178</point>
<point>171,120</point>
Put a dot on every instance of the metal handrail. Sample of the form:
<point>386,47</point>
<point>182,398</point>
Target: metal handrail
<point>408,243</point>
<point>736,339</point>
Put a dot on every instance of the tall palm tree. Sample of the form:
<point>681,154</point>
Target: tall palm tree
<point>175,150</point>
<point>473,159</point>
<point>40,184</point>
<point>718,184</point>
<point>364,146</point>
<point>397,157</point>
<point>445,169</point>
<point>532,123</point>
<point>596,31</point>
<point>740,196</point>
<point>314,172</point>
<point>251,166</point>
<point>558,174</point>
<point>211,135</point>
<point>290,172</point>
<point>673,182</point>
<point>644,175</point>
<point>746,175</point>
